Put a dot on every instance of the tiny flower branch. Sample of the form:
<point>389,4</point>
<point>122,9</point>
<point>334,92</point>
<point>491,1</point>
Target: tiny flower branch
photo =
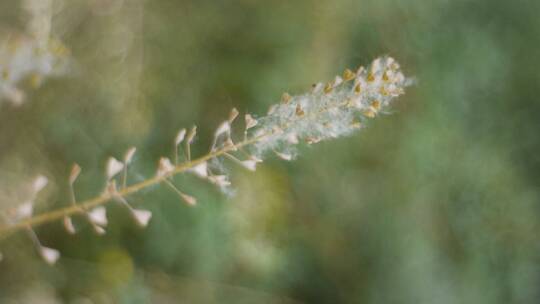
<point>327,111</point>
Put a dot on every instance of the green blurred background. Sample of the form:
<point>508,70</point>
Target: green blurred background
<point>436,203</point>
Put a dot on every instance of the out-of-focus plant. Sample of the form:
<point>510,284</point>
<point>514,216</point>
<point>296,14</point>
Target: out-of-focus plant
<point>31,56</point>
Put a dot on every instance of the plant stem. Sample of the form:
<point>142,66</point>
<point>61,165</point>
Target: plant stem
<point>81,207</point>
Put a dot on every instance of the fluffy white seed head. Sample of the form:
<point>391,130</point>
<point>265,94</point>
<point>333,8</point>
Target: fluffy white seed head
<point>329,111</point>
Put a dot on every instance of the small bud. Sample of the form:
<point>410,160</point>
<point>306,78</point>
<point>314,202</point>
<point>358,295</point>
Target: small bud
<point>24,210</point>
<point>312,140</point>
<point>337,81</point>
<point>369,112</point>
<point>348,75</point>
<point>98,216</point>
<point>277,130</point>
<point>284,156</point>
<point>299,111</point>
<point>219,180</point>
<point>99,230</point>
<point>376,105</point>
<point>292,138</point>
<point>357,88</point>
<point>285,98</point>
<point>328,88</point>
<point>39,183</point>
<point>250,164</point>
<point>232,116</point>
<point>255,159</point>
<point>113,167</point>
<point>164,167</point>
<point>201,170</point>
<point>190,200</point>
<point>385,76</point>
<point>316,88</point>
<point>191,134</point>
<point>250,122</point>
<point>225,127</point>
<point>376,65</point>
<point>142,216</point>
<point>356,124</point>
<point>272,109</point>
<point>50,255</point>
<point>129,155</point>
<point>68,225</point>
<point>180,137</point>
<point>111,188</point>
<point>229,143</point>
<point>75,171</point>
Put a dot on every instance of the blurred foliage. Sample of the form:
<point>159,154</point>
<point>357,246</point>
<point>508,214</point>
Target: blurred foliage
<point>438,203</point>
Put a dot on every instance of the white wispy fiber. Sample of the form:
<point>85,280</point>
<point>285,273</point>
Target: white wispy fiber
<point>328,111</point>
